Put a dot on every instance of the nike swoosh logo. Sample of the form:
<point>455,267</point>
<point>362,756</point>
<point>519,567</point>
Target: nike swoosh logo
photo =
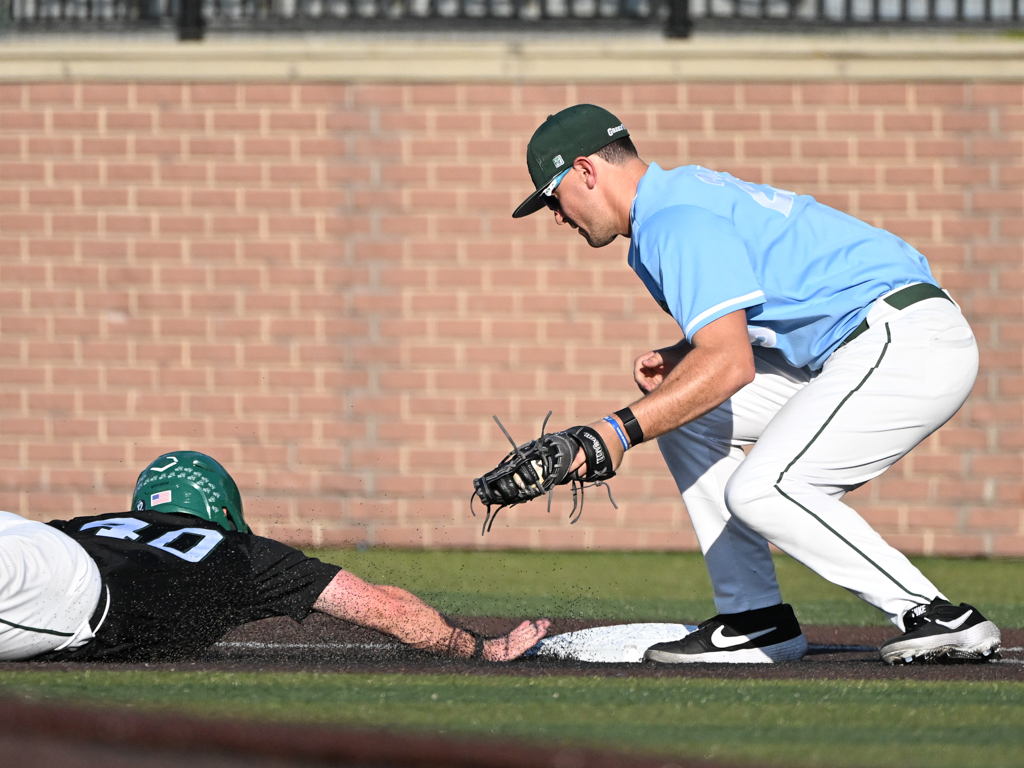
<point>719,640</point>
<point>955,623</point>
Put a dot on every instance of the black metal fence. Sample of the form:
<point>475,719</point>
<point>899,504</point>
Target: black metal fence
<point>676,17</point>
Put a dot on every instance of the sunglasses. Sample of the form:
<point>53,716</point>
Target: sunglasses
<point>547,195</point>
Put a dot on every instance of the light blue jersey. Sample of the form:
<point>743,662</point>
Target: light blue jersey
<point>707,244</point>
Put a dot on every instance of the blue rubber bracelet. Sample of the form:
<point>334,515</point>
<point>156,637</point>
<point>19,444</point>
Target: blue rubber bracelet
<point>619,432</point>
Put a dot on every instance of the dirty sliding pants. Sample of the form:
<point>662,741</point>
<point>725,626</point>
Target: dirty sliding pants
<point>815,437</point>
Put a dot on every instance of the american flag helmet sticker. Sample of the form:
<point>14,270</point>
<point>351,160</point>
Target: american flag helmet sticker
<point>164,497</point>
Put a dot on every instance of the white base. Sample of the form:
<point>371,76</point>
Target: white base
<point>623,643</point>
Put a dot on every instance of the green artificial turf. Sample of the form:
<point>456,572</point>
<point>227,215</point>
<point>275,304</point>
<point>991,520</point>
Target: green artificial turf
<point>890,724</point>
<point>896,723</point>
<point>638,586</point>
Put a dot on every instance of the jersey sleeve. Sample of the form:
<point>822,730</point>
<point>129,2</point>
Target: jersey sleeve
<point>286,582</point>
<point>699,264</point>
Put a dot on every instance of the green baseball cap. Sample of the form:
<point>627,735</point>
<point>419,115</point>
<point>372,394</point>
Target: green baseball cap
<point>577,131</point>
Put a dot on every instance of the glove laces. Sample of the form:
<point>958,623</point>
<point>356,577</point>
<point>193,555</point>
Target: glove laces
<point>578,487</point>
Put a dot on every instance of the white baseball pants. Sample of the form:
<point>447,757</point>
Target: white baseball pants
<point>816,436</point>
<point>49,589</point>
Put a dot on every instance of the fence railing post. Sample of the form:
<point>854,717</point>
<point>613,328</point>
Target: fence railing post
<point>679,24</point>
<point>191,24</point>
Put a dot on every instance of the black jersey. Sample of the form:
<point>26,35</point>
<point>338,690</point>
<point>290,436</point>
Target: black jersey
<point>177,583</point>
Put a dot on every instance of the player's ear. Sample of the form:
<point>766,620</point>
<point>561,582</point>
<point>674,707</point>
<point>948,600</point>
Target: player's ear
<point>587,169</point>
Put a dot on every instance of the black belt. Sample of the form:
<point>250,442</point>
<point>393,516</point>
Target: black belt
<point>902,299</point>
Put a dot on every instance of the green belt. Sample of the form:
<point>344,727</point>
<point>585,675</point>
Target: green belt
<point>902,299</point>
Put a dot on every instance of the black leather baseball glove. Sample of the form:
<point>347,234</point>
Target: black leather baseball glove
<point>533,469</point>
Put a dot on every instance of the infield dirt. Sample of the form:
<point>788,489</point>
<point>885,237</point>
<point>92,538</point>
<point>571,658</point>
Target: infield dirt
<point>324,644</point>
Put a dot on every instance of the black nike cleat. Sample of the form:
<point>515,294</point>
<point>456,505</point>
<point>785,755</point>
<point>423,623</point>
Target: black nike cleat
<point>761,636</point>
<point>942,632</point>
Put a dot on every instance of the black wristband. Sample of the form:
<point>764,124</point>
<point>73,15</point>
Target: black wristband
<point>631,425</point>
<point>478,644</point>
<point>478,639</point>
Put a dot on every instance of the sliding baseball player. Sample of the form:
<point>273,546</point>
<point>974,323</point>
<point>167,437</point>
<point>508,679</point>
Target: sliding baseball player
<point>170,577</point>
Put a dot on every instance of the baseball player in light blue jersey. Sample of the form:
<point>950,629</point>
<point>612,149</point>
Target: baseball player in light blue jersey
<point>820,341</point>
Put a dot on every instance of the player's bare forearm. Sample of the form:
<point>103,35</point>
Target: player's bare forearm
<point>402,615</point>
<point>704,379</point>
<point>686,381</point>
<point>394,611</point>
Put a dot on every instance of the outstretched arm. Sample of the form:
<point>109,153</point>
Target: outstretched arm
<point>399,613</point>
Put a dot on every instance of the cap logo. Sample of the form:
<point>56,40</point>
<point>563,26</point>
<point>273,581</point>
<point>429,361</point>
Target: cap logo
<point>616,129</point>
<point>558,161</point>
<point>164,497</point>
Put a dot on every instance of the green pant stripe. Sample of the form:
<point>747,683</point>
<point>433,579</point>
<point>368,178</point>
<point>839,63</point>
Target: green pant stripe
<point>36,629</point>
<point>878,362</point>
<point>850,544</point>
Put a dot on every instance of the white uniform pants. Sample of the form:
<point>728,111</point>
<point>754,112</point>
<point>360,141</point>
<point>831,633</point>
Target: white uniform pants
<point>49,589</point>
<point>815,437</point>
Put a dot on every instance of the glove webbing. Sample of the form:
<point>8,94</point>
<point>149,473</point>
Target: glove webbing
<point>599,469</point>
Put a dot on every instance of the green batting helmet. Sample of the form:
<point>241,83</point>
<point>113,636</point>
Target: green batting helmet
<point>191,483</point>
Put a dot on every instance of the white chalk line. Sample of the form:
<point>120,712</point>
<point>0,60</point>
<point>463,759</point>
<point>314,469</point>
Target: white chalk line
<point>316,646</point>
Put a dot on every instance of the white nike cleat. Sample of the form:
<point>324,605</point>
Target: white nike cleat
<point>761,636</point>
<point>941,632</point>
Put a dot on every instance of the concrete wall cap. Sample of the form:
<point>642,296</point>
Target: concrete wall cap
<point>532,58</point>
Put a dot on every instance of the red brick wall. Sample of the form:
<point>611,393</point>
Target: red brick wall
<point>321,285</point>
